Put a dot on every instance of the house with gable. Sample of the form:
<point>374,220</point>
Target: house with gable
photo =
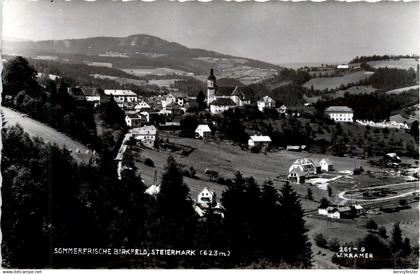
<point>206,197</point>
<point>326,165</point>
<point>266,103</point>
<point>202,132</point>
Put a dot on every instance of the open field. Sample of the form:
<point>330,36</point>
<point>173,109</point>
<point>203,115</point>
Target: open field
<point>227,159</point>
<point>336,82</point>
<point>155,71</point>
<point>48,134</point>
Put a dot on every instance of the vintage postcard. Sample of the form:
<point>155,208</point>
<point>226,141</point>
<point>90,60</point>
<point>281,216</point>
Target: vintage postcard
<point>210,135</point>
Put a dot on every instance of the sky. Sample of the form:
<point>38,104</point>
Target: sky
<point>276,32</point>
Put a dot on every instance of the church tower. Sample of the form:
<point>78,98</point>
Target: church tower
<point>211,88</point>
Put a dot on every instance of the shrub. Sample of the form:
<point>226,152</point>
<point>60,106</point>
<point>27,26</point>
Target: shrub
<point>382,232</point>
<point>149,162</point>
<point>320,240</point>
<point>334,244</point>
<point>371,224</point>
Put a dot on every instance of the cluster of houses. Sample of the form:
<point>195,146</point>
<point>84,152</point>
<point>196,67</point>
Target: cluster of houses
<point>341,212</point>
<point>304,168</point>
<point>383,124</point>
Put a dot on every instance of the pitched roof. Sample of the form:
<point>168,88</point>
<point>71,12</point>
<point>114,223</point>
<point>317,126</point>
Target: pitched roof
<point>133,116</point>
<point>224,91</point>
<point>243,92</point>
<point>119,92</point>
<point>298,170</point>
<point>204,128</point>
<point>339,109</point>
<point>266,99</point>
<point>91,92</point>
<point>257,138</point>
<point>223,102</point>
<point>328,161</point>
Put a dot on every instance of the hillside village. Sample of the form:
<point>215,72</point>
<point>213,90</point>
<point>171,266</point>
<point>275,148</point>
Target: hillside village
<point>341,164</point>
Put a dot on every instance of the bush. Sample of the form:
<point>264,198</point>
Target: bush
<point>382,232</point>
<point>320,240</point>
<point>149,162</point>
<point>334,244</point>
<point>371,224</point>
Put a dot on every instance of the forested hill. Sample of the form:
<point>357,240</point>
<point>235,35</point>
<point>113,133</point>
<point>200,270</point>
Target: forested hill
<point>130,51</point>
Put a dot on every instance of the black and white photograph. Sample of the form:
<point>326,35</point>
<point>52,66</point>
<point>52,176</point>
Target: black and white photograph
<point>209,135</point>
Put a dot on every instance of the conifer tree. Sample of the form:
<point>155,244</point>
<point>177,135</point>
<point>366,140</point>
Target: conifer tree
<point>396,238</point>
<point>296,247</point>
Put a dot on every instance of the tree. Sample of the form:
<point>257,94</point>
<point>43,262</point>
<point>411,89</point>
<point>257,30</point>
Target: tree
<point>176,216</point>
<point>297,247</point>
<point>324,203</point>
<point>334,244</point>
<point>320,240</point>
<point>18,75</point>
<point>329,189</point>
<point>382,232</point>
<point>396,238</point>
<point>201,100</point>
<point>406,247</point>
<point>414,129</point>
<point>309,194</point>
<point>371,224</point>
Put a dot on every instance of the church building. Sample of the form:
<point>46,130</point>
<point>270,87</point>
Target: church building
<point>222,98</point>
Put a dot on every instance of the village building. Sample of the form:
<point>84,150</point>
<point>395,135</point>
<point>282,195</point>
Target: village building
<point>326,165</point>
<point>220,105</point>
<point>153,190</point>
<point>135,120</point>
<point>76,93</point>
<point>142,105</point>
<point>306,165</point>
<point>259,141</point>
<point>340,113</point>
<point>206,197</point>
<point>266,103</point>
<point>145,134</point>
<point>222,98</point>
<point>282,109</point>
<point>203,132</point>
<point>122,95</point>
<point>295,148</point>
<point>296,175</point>
<point>168,99</point>
<point>95,96</point>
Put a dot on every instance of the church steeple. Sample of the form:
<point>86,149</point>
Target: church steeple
<point>211,87</point>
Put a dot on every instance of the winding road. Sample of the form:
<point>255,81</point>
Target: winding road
<point>341,194</point>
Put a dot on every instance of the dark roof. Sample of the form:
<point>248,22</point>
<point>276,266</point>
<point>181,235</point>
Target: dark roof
<point>76,91</point>
<point>339,109</point>
<point>223,102</point>
<point>224,91</point>
<point>243,92</point>
<point>91,92</point>
<point>134,116</point>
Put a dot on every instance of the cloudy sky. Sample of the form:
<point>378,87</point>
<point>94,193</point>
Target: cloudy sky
<point>277,32</point>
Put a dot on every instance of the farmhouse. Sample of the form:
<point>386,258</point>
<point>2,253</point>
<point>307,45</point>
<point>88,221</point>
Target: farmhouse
<point>340,113</point>
<point>326,165</point>
<point>122,95</point>
<point>76,93</point>
<point>135,120</point>
<point>220,105</point>
<point>203,132</point>
<point>206,197</point>
<point>296,175</point>
<point>260,141</point>
<point>223,98</point>
<point>266,103</point>
<point>146,135</point>
<point>168,99</point>
<point>96,96</point>
<point>306,165</point>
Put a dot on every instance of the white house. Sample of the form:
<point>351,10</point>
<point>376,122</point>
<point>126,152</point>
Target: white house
<point>135,120</point>
<point>168,99</point>
<point>343,66</point>
<point>262,141</point>
<point>221,104</point>
<point>122,95</point>
<point>142,105</point>
<point>266,103</point>
<point>153,190</point>
<point>282,109</point>
<point>296,175</point>
<point>145,134</point>
<point>340,113</point>
<point>307,166</point>
<point>326,165</point>
<point>203,132</point>
<point>206,197</point>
